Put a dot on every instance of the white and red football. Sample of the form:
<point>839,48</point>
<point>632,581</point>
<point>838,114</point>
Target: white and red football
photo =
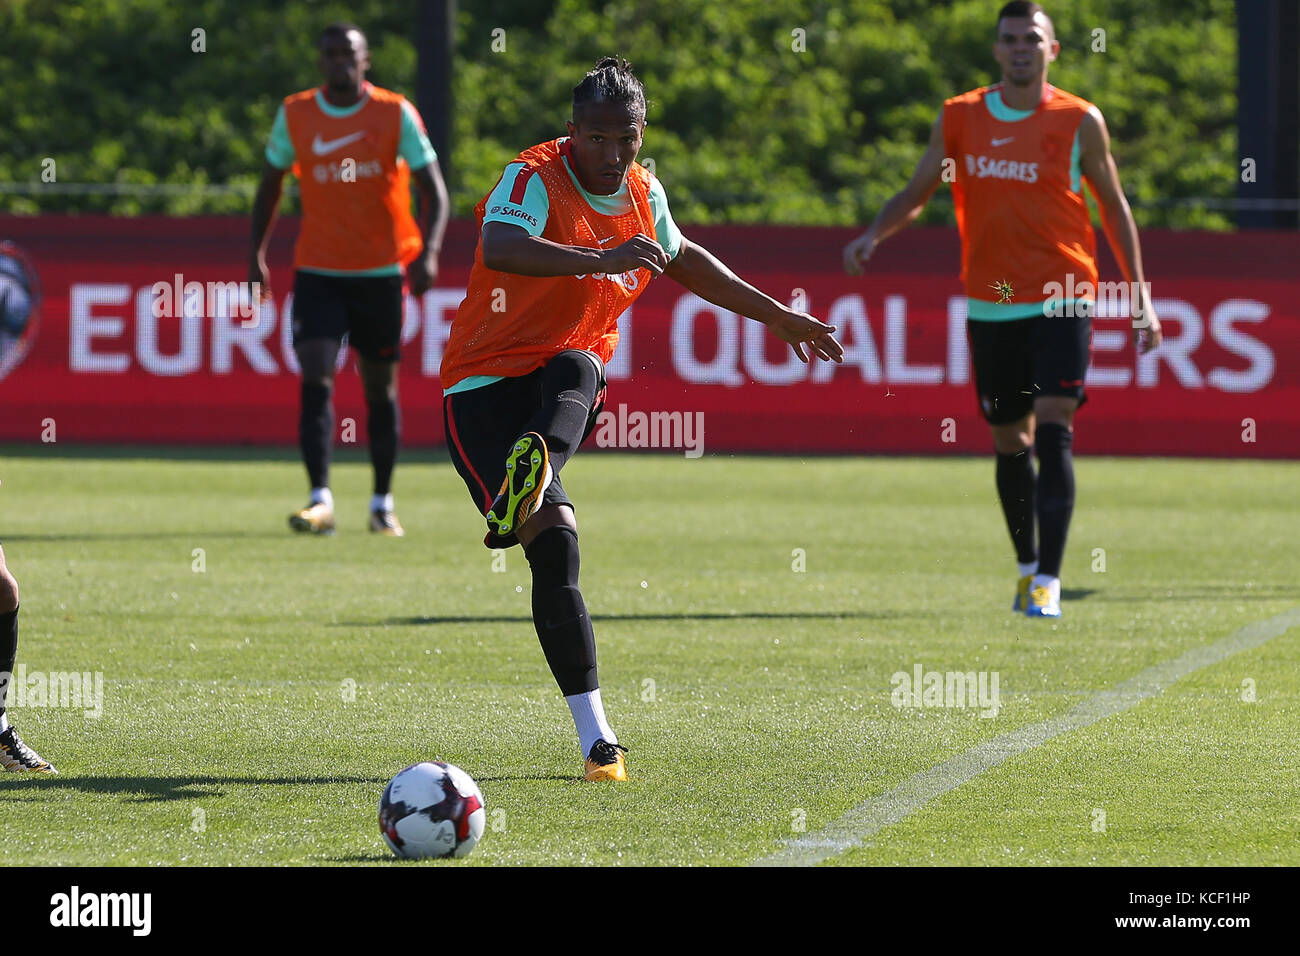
<point>431,809</point>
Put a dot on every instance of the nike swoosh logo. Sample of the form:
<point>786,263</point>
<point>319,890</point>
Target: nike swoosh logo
<point>322,147</point>
<point>601,242</point>
<point>1003,142</point>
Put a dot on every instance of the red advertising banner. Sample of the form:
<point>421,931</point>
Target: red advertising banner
<point>94,364</point>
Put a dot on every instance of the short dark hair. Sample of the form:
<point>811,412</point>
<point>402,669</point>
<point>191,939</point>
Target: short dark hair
<point>341,29</point>
<point>611,80</point>
<point>1018,8</point>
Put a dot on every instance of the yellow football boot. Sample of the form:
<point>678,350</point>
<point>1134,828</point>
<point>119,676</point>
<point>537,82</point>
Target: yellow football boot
<point>17,757</point>
<point>1022,593</point>
<point>605,762</point>
<point>314,519</point>
<point>528,475</point>
<point>386,523</point>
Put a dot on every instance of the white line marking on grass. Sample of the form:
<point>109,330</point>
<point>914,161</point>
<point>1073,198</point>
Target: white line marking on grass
<point>872,816</point>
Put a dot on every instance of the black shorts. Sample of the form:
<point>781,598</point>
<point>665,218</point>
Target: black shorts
<point>1019,360</point>
<point>367,309</point>
<point>482,423</point>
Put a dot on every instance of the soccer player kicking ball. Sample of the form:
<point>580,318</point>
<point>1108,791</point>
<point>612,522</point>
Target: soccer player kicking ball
<point>571,235</point>
<point>354,148</point>
<point>15,756</point>
<point>1020,152</point>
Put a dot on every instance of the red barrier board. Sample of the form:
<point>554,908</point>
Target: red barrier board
<point>99,367</point>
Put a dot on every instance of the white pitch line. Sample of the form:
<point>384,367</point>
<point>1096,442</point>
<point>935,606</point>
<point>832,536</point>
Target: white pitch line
<point>872,816</point>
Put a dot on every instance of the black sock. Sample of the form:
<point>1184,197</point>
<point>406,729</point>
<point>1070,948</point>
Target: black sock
<point>316,432</point>
<point>8,651</point>
<point>569,385</point>
<point>383,425</point>
<point>1055,494</point>
<point>1016,490</point>
<point>559,614</point>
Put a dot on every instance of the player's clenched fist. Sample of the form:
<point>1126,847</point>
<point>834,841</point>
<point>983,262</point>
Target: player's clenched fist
<point>422,273</point>
<point>1147,333</point>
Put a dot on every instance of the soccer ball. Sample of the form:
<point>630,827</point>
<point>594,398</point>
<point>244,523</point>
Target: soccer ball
<point>431,810</point>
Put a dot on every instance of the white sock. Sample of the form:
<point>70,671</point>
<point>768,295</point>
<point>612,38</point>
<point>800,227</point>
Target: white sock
<point>1030,568</point>
<point>322,496</point>
<point>381,502</point>
<point>589,717</point>
<point>4,722</point>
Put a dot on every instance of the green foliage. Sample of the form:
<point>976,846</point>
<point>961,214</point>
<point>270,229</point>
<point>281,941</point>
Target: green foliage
<point>776,111</point>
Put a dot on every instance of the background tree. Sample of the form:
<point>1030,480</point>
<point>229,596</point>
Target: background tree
<point>774,111</point>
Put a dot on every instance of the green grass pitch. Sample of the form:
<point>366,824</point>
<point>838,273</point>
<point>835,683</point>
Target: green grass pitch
<point>755,698</point>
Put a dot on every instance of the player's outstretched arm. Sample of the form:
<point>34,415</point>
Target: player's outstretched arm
<point>904,206</point>
<point>1098,168</point>
<point>508,248</point>
<point>699,271</point>
<point>435,208</point>
<point>265,206</point>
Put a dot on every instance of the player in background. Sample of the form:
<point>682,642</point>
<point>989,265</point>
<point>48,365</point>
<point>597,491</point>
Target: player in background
<point>1020,152</point>
<point>571,235</point>
<point>15,756</point>
<point>354,148</point>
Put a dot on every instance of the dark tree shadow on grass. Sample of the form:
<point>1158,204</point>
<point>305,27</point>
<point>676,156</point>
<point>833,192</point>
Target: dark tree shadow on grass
<point>1174,593</point>
<point>151,789</point>
<point>32,787</point>
<point>282,453</point>
<point>662,616</point>
<point>147,535</point>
